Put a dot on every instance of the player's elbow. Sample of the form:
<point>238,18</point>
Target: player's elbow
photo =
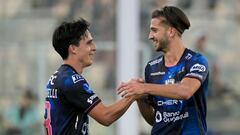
<point>186,94</point>
<point>106,122</point>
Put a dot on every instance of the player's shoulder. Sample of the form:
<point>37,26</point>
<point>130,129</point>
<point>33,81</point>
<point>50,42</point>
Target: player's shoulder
<point>155,61</point>
<point>195,61</point>
<point>68,76</point>
<point>191,55</point>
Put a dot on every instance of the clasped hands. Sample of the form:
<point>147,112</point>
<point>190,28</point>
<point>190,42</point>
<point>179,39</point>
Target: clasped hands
<point>133,88</point>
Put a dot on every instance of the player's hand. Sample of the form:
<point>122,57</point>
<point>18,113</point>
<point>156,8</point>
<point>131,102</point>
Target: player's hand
<point>134,87</point>
<point>139,80</point>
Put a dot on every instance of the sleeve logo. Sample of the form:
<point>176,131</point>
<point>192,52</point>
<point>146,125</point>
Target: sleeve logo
<point>198,67</point>
<point>90,99</point>
<point>76,78</point>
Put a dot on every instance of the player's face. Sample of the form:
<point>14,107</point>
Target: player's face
<point>86,50</point>
<point>158,35</point>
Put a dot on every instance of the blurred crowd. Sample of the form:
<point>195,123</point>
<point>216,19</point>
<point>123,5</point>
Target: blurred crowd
<point>22,117</point>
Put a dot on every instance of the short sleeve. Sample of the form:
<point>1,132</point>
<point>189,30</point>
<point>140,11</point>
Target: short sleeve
<point>78,92</point>
<point>197,67</point>
<point>146,73</point>
<point>149,98</point>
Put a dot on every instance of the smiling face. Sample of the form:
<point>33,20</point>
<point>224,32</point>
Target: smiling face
<point>158,34</point>
<point>85,50</point>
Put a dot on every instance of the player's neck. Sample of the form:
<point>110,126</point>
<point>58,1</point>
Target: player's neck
<point>78,67</point>
<point>174,53</point>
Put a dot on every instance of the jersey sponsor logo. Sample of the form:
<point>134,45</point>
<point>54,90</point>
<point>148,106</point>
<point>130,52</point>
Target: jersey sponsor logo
<point>76,78</point>
<point>90,99</point>
<point>158,117</point>
<point>155,62</point>
<point>198,67</point>
<point>157,73</point>
<point>170,116</point>
<point>87,89</point>
<point>169,102</point>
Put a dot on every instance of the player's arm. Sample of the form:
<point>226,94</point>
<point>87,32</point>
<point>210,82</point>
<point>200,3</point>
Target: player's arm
<point>183,90</point>
<point>197,72</point>
<point>80,95</point>
<point>106,115</point>
<point>146,110</point>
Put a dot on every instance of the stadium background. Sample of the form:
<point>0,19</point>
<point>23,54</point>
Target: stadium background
<point>27,58</point>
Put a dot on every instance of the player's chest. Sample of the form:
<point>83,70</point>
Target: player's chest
<point>167,75</point>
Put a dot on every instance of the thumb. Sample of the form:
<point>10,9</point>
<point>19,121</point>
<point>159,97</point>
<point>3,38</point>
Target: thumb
<point>140,79</point>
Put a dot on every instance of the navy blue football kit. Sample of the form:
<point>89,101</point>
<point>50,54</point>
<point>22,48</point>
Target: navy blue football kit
<point>69,99</point>
<point>179,117</point>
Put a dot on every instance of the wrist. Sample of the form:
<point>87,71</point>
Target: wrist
<point>145,89</point>
<point>130,99</point>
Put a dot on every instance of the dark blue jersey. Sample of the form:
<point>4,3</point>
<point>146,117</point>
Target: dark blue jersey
<point>179,117</point>
<point>69,99</point>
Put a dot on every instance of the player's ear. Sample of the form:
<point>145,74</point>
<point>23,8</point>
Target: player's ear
<point>72,48</point>
<point>172,32</point>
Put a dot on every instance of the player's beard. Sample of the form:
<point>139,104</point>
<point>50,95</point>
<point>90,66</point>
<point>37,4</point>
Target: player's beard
<point>163,44</point>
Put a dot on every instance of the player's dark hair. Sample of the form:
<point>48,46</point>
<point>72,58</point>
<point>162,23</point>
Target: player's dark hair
<point>69,33</point>
<point>174,16</point>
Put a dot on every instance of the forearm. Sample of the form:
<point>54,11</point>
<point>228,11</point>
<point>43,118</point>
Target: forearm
<point>116,110</point>
<point>175,91</point>
<point>182,90</point>
<point>146,111</point>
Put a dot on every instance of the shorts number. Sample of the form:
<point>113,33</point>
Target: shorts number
<point>47,116</point>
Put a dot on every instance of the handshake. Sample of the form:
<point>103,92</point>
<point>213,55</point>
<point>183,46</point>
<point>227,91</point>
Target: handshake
<point>134,88</point>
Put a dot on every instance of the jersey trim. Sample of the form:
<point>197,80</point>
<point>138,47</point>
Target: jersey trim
<point>194,78</point>
<point>92,106</point>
